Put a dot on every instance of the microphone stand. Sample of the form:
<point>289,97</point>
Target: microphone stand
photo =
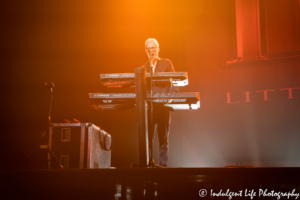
<point>151,161</point>
<point>44,146</point>
<point>151,130</point>
<point>47,147</point>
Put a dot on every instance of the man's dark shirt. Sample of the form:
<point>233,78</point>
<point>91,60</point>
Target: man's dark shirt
<point>163,65</point>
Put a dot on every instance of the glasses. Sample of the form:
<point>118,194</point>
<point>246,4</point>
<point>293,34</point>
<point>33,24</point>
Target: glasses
<point>152,48</point>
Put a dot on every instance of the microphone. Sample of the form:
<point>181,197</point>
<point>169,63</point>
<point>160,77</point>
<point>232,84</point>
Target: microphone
<point>49,85</point>
<point>149,52</point>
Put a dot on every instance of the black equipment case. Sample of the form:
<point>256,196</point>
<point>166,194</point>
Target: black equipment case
<point>79,145</point>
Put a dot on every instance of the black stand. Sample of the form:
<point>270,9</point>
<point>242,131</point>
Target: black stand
<point>44,147</point>
<point>141,107</point>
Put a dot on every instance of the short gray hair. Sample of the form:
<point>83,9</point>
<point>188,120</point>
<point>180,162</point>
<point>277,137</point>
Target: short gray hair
<point>152,40</point>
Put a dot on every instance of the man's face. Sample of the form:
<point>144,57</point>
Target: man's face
<point>151,46</point>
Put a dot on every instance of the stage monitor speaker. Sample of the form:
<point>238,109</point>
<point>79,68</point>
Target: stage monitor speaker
<point>79,145</point>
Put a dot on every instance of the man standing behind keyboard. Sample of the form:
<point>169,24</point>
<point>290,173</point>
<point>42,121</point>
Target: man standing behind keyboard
<point>161,115</point>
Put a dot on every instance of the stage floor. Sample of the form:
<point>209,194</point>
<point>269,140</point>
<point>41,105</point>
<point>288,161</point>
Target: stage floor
<point>168,183</point>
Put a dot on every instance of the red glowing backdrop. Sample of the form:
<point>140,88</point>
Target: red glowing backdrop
<point>242,56</point>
